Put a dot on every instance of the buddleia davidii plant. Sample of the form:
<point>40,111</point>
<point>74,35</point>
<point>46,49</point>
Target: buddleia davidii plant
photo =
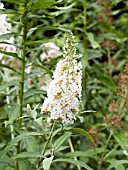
<point>64,93</point>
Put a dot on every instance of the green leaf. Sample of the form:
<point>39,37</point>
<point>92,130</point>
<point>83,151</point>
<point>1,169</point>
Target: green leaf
<point>83,132</point>
<point>7,160</point>
<point>47,162</point>
<point>14,1</point>
<point>10,54</point>
<point>17,139</point>
<point>44,68</point>
<point>116,163</point>
<point>8,84</point>
<point>24,165</point>
<point>94,43</point>
<point>27,155</point>
<point>38,42</point>
<point>121,139</point>
<point>7,36</point>
<point>66,7</point>
<point>42,4</point>
<point>31,144</point>
<point>32,92</point>
<point>10,68</point>
<point>61,140</point>
<point>12,110</point>
<point>87,153</point>
<point>75,162</point>
<point>118,167</point>
<point>8,11</point>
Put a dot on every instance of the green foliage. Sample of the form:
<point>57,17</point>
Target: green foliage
<point>42,4</point>
<point>17,139</point>
<point>27,140</point>
<point>61,140</point>
<point>75,162</point>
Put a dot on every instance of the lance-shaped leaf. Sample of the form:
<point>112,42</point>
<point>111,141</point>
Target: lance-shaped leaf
<point>10,68</point>
<point>17,139</point>
<point>84,133</point>
<point>42,4</point>
<point>75,162</point>
<point>12,110</point>
<point>8,84</point>
<point>10,54</point>
<point>61,140</point>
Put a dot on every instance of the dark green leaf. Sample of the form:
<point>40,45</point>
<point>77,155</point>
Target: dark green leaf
<point>39,42</point>
<point>31,144</point>
<point>24,165</point>
<point>116,163</point>
<point>75,162</point>
<point>94,43</point>
<point>42,4</point>
<point>7,36</point>
<point>8,11</point>
<point>83,132</point>
<point>87,153</point>
<point>44,68</point>
<point>27,155</point>
<point>61,140</point>
<point>17,139</point>
<point>32,92</point>
<point>8,84</point>
<point>10,54</point>
<point>14,1</point>
<point>10,68</point>
<point>121,139</point>
<point>13,111</point>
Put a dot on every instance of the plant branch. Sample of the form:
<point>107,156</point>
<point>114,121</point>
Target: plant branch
<point>72,150</point>
<point>106,145</point>
<point>11,126</point>
<point>23,62</point>
<point>46,144</point>
<point>24,51</point>
<point>85,56</point>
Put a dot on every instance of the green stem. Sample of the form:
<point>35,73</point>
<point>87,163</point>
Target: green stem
<point>72,150</point>
<point>109,62</point>
<point>46,144</point>
<point>23,62</point>
<point>11,126</point>
<point>84,57</point>
<point>106,145</point>
<point>24,51</point>
<point>84,6</point>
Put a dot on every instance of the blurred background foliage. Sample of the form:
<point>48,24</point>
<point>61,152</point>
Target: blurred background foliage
<point>101,30</point>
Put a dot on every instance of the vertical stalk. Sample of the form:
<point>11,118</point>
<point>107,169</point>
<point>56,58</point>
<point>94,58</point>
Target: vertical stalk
<point>109,62</point>
<point>23,62</point>
<point>106,145</point>
<point>46,144</point>
<point>24,50</point>
<point>84,56</point>
<point>8,102</point>
<point>72,150</point>
<point>84,6</point>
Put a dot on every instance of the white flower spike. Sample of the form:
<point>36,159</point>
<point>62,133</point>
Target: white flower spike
<point>64,93</point>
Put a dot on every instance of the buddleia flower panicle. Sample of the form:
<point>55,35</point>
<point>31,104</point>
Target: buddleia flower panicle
<point>64,93</point>
<point>5,27</point>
